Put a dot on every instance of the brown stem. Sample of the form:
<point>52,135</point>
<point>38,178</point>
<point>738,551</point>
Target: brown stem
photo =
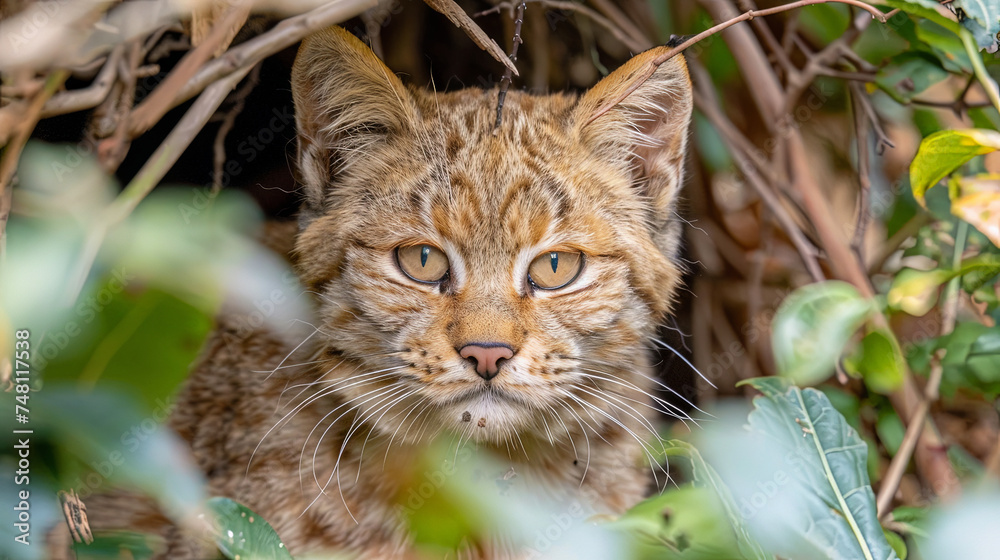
<point>864,178</point>
<point>656,62</point>
<point>738,146</point>
<point>507,75</point>
<point>916,422</point>
<point>158,103</point>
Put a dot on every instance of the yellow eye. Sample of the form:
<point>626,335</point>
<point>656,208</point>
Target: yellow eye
<point>422,263</point>
<point>555,269</point>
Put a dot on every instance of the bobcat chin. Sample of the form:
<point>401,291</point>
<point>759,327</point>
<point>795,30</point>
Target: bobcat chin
<point>502,285</point>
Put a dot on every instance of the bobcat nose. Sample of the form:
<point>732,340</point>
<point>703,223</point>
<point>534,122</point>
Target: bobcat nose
<point>487,356</point>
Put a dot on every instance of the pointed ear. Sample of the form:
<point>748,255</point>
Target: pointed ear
<point>346,99</point>
<point>646,131</point>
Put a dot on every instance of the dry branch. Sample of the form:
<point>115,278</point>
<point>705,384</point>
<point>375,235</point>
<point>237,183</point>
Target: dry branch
<point>656,62</point>
<point>457,15</point>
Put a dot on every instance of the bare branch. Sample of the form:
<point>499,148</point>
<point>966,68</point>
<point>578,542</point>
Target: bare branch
<point>505,82</point>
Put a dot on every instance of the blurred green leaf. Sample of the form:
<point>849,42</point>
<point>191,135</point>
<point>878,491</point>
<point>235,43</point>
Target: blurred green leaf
<point>129,336</point>
<point>910,74</point>
<point>704,476</point>
<point>115,546</point>
<point>928,9</point>
<point>812,327</point>
<point>105,440</point>
<point>911,519</point>
<point>240,533</point>
<point>915,291</point>
<point>680,524</point>
<point>946,45</point>
<point>897,543</point>
<point>966,529</point>
<point>890,429</point>
<point>824,23</point>
<point>943,152</point>
<point>971,360</point>
<point>879,361</point>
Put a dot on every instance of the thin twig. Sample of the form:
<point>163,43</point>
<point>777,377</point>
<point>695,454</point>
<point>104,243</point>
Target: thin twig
<point>152,108</point>
<point>586,11</point>
<point>609,9</point>
<point>457,15</point>
<point>890,482</point>
<point>652,65</point>
<point>864,171</point>
<point>507,78</point>
<point>708,105</point>
<point>285,34</point>
<point>219,146</point>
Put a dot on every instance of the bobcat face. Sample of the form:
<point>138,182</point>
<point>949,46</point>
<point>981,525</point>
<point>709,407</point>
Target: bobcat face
<point>496,283</point>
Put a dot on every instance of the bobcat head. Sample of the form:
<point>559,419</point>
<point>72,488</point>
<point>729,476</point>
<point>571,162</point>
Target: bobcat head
<point>494,282</point>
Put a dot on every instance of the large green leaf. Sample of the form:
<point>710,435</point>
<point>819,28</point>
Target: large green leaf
<point>982,18</point>
<point>812,327</point>
<point>241,533</point>
<point>826,459</point>
<point>943,152</point>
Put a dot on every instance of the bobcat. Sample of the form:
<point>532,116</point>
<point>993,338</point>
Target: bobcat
<point>502,284</point>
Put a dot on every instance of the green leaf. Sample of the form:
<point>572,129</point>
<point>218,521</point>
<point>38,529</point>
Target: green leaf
<point>943,152</point>
<point>946,45</point>
<point>682,524</point>
<point>105,440</point>
<point>971,360</point>
<point>890,429</point>
<point>928,9</point>
<point>800,479</point>
<point>982,18</point>
<point>812,327</point>
<point>912,73</point>
<point>879,361</point>
<point>911,520</point>
<point>241,533</point>
<point>135,336</point>
<point>704,476</point>
<point>915,291</point>
<point>964,530</point>
<point>897,543</point>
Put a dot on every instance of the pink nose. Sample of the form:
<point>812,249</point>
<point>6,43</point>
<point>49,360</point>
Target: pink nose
<point>487,356</point>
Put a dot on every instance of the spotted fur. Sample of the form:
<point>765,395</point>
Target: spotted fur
<point>383,165</point>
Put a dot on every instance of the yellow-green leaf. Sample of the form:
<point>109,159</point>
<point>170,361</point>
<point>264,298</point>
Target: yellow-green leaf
<point>915,291</point>
<point>943,152</point>
<point>981,210</point>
